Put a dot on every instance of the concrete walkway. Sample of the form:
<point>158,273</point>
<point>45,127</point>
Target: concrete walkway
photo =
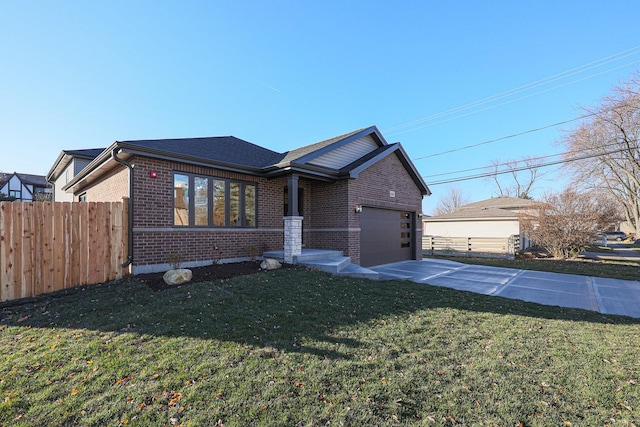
<point>607,296</point>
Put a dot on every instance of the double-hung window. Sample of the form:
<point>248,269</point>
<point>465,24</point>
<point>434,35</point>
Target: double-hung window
<point>203,201</point>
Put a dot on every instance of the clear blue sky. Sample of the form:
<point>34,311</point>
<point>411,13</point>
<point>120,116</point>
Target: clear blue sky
<point>78,74</point>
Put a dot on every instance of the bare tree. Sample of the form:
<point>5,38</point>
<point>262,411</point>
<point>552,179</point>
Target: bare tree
<point>516,178</point>
<point>609,151</point>
<point>450,201</point>
<point>566,223</point>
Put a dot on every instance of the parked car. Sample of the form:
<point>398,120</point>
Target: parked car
<point>618,236</point>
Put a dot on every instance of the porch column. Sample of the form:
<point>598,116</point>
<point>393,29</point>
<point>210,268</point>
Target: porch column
<point>292,223</point>
<point>292,237</point>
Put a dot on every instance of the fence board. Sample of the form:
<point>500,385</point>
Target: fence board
<point>59,245</point>
<point>6,256</point>
<point>16,250</point>
<point>27,253</point>
<point>471,246</point>
<point>49,246</point>
<point>46,222</point>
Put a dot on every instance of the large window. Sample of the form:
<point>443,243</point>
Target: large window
<point>203,201</point>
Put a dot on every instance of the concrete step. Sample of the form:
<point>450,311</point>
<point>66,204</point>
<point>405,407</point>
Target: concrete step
<point>329,265</point>
<point>306,255</point>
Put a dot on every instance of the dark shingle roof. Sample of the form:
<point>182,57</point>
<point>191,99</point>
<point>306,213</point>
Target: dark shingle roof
<point>90,153</point>
<point>231,153</point>
<point>25,178</point>
<point>223,149</point>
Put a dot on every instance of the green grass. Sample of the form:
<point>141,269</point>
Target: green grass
<point>300,348</point>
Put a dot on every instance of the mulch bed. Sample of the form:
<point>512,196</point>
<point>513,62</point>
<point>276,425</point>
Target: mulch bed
<point>208,273</point>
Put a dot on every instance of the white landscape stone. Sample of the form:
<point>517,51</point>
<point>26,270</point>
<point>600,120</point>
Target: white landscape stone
<point>177,276</point>
<point>270,264</point>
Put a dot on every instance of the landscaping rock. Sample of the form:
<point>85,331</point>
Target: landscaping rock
<point>177,277</point>
<point>270,264</point>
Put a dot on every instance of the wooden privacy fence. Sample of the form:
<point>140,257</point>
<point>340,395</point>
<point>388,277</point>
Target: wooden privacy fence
<point>50,246</point>
<point>471,246</point>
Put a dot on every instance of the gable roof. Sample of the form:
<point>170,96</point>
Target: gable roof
<point>498,208</point>
<point>501,202</point>
<point>25,178</point>
<point>66,156</point>
<point>335,158</point>
<point>224,150</point>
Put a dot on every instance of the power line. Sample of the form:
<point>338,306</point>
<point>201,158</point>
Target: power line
<point>518,161</point>
<point>504,137</point>
<point>513,100</point>
<point>454,150</point>
<point>576,70</point>
<point>490,174</point>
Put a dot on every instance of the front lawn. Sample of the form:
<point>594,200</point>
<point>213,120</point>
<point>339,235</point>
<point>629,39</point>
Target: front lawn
<point>300,348</point>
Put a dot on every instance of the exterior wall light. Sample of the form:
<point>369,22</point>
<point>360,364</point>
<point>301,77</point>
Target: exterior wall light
<point>358,208</point>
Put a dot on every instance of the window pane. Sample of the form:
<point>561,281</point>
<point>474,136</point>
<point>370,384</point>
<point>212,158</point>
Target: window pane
<point>218,203</point>
<point>201,195</point>
<point>180,199</point>
<point>250,205</point>
<point>234,204</point>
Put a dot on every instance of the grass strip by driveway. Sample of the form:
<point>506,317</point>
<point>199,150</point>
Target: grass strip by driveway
<point>610,269</point>
<point>301,348</point>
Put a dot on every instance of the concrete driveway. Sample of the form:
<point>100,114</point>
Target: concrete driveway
<point>607,296</point>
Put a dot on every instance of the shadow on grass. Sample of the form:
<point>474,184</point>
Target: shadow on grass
<point>293,309</point>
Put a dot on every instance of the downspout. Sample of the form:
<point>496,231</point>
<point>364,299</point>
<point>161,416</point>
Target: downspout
<point>114,155</point>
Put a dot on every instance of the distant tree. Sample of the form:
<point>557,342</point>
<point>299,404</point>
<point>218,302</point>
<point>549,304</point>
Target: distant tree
<point>5,198</point>
<point>607,142</point>
<point>566,223</point>
<point>41,196</point>
<point>516,178</point>
<point>450,201</point>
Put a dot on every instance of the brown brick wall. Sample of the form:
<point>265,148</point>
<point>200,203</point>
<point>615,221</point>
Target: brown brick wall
<point>333,205</point>
<point>330,221</point>
<point>373,187</point>
<point>153,209</point>
<point>111,189</point>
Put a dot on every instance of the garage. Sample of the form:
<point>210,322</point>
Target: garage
<point>385,236</point>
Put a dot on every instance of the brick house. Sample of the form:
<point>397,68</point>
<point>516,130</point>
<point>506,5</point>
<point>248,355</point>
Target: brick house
<point>225,199</point>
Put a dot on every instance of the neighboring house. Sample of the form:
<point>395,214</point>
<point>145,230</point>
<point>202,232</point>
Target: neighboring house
<point>69,164</point>
<point>222,198</point>
<point>25,187</point>
<point>497,217</point>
